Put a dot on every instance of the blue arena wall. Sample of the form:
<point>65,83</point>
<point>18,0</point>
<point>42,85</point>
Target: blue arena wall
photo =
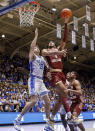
<point>8,117</point>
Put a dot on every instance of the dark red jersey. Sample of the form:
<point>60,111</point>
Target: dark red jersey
<point>54,61</point>
<point>74,98</point>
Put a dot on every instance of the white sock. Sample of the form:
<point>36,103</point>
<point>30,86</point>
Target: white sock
<point>69,115</point>
<point>19,117</point>
<point>52,117</point>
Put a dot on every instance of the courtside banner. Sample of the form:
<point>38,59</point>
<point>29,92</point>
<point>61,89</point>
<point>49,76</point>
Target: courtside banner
<point>8,117</point>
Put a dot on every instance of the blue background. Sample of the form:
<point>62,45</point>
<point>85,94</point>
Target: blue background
<point>8,118</point>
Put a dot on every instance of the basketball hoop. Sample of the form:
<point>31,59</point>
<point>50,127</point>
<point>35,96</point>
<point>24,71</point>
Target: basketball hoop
<point>27,13</point>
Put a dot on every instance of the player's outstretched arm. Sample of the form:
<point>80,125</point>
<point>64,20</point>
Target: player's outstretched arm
<point>45,52</point>
<point>64,40</point>
<point>33,44</point>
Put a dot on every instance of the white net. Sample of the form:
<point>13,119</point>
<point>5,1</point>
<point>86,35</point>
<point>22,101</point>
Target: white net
<point>27,14</point>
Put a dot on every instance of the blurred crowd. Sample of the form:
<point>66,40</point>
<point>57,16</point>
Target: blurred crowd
<point>14,90</point>
<point>88,87</point>
<point>11,70</point>
<point>13,98</point>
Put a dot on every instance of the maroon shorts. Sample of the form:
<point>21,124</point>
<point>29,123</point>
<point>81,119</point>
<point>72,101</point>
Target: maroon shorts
<point>55,77</point>
<point>77,107</point>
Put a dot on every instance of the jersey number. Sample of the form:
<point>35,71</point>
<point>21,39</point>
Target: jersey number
<point>41,64</point>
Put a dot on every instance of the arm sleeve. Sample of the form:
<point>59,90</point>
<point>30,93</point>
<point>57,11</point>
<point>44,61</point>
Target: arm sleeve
<point>65,33</point>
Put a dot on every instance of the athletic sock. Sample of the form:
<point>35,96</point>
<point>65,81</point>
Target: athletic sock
<point>19,117</point>
<point>52,117</point>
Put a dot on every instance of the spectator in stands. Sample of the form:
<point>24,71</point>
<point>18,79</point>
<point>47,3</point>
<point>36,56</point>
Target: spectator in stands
<point>1,108</point>
<point>22,102</point>
<point>17,109</point>
<point>9,109</point>
<point>43,108</point>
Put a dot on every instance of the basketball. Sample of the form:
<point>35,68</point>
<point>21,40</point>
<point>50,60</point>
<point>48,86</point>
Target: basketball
<point>66,13</point>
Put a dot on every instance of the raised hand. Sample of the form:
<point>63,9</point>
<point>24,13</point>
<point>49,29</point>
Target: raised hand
<point>36,32</point>
<point>64,52</point>
<point>66,19</point>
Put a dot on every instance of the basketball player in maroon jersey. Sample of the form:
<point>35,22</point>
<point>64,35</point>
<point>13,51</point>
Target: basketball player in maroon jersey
<point>55,76</point>
<point>75,93</point>
<point>72,126</point>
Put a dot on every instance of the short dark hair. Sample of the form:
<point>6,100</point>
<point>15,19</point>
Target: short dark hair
<point>51,46</point>
<point>75,73</point>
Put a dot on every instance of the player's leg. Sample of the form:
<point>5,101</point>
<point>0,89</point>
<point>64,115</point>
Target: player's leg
<point>81,127</point>
<point>27,107</point>
<point>47,105</point>
<point>51,121</point>
<point>58,80</point>
<point>56,107</point>
<point>43,93</point>
<point>76,112</point>
<point>63,118</point>
<point>64,95</point>
<point>33,99</point>
<point>76,109</point>
<point>32,86</point>
<point>65,123</point>
<point>47,111</point>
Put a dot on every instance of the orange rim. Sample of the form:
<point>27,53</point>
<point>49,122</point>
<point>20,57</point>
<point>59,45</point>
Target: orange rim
<point>32,2</point>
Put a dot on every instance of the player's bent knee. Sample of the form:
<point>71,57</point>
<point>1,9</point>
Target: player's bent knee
<point>33,101</point>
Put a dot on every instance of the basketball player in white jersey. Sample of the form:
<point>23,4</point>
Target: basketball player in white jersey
<point>35,83</point>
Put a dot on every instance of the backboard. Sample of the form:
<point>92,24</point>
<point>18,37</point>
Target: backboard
<point>8,5</point>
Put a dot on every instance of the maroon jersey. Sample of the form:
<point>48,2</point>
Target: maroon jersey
<point>54,61</point>
<point>77,102</point>
<point>74,98</point>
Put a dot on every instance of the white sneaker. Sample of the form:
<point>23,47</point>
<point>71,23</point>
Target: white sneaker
<point>75,121</point>
<point>48,128</point>
<point>17,125</point>
<point>50,124</point>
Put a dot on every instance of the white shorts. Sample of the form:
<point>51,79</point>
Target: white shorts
<point>37,87</point>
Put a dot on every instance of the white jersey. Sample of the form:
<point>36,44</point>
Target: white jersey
<point>37,67</point>
<point>35,82</point>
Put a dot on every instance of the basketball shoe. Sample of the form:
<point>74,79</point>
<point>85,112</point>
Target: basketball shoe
<point>17,122</point>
